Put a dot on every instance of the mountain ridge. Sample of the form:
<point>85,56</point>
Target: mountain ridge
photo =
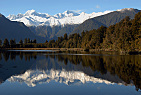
<point>33,18</point>
<point>105,20</point>
<point>51,27</point>
<point>15,30</point>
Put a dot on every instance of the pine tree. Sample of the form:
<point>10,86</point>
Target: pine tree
<point>34,41</point>
<point>83,34</point>
<point>65,36</point>
<point>6,43</point>
<point>46,41</point>
<point>12,43</point>
<point>25,41</point>
<point>28,41</point>
<point>21,42</point>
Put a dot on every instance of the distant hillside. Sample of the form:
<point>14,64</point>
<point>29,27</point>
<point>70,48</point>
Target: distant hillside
<point>15,30</point>
<point>105,20</point>
<point>52,32</point>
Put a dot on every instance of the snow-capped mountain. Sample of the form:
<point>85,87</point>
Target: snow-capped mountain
<point>34,77</point>
<point>33,18</point>
<point>122,10</point>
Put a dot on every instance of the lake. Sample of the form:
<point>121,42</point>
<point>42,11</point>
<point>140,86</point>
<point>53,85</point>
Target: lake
<point>69,73</point>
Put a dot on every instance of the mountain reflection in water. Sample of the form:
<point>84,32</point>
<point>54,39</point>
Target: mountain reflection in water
<point>70,68</point>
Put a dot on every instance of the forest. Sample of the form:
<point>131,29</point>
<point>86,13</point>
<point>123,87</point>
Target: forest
<point>123,36</point>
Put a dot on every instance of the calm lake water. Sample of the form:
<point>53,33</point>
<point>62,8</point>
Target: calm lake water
<point>69,73</point>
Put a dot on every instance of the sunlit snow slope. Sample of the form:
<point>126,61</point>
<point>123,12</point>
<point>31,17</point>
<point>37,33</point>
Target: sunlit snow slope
<point>33,18</point>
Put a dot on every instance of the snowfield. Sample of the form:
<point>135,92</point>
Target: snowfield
<point>33,18</point>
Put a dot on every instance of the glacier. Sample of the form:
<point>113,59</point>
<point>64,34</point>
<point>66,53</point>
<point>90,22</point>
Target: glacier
<point>33,18</point>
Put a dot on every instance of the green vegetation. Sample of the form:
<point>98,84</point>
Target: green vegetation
<point>124,36</point>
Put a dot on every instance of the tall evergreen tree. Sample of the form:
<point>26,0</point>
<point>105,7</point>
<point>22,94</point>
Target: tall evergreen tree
<point>6,43</point>
<point>34,41</point>
<point>25,41</point>
<point>65,36</point>
<point>12,43</point>
<point>46,41</point>
<point>28,41</point>
<point>21,42</point>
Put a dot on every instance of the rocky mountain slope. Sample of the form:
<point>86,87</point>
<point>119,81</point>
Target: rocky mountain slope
<point>15,30</point>
<point>106,20</point>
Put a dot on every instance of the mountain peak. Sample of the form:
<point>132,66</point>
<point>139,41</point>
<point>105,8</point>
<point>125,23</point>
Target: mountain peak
<point>29,12</point>
<point>70,13</point>
<point>83,13</point>
<point>126,9</point>
<point>31,17</point>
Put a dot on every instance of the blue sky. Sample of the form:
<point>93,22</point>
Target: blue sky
<point>58,6</point>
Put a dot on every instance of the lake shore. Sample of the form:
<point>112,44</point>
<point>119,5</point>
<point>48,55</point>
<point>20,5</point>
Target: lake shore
<point>75,49</point>
<point>59,49</point>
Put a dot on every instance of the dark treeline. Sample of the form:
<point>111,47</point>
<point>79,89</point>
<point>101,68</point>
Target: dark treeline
<point>123,36</point>
<point>22,44</point>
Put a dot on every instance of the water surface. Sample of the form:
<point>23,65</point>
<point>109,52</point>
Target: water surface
<point>69,73</point>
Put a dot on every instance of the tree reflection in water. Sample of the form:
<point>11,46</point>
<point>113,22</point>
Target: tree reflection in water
<point>126,67</point>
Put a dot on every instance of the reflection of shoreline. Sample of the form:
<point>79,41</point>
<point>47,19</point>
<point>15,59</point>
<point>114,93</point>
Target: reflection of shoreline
<point>32,77</point>
<point>120,68</point>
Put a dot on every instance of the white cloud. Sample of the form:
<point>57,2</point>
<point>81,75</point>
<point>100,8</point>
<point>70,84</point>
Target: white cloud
<point>97,6</point>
